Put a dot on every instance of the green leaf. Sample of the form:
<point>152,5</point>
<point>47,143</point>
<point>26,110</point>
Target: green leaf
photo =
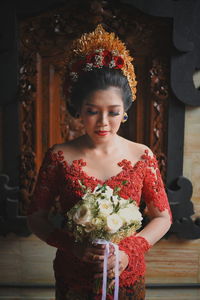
<point>116,190</point>
<point>124,182</point>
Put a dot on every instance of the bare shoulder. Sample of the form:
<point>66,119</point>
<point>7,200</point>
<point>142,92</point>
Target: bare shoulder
<point>138,149</point>
<point>70,149</point>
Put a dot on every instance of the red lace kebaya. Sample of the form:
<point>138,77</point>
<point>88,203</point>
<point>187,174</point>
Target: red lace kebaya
<point>58,179</point>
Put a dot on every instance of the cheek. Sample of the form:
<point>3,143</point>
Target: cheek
<point>88,121</point>
<point>116,121</point>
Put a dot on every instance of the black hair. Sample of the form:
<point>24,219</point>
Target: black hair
<point>99,79</point>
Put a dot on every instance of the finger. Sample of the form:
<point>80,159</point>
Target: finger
<point>111,273</point>
<point>111,283</point>
<point>99,246</point>
<point>94,258</point>
<point>95,251</point>
<point>111,262</point>
<point>111,249</point>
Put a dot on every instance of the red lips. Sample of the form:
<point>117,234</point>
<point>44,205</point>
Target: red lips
<point>102,132</point>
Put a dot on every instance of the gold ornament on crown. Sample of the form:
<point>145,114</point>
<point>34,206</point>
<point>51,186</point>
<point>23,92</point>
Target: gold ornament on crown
<point>96,50</point>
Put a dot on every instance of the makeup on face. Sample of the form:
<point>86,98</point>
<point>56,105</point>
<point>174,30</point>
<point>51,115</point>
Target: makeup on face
<point>102,112</point>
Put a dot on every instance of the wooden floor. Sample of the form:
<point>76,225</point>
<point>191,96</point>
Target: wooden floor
<point>48,294</point>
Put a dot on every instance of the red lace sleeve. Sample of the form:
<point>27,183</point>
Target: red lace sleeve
<point>46,188</point>
<point>135,247</point>
<point>153,190</point>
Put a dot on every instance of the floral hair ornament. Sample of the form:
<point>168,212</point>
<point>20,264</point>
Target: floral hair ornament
<point>97,49</point>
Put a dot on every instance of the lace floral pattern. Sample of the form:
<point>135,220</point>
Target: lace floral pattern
<point>135,247</point>
<point>58,178</point>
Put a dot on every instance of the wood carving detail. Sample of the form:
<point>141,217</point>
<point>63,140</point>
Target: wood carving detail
<point>70,127</point>
<point>27,158</point>
<point>182,208</point>
<point>159,78</point>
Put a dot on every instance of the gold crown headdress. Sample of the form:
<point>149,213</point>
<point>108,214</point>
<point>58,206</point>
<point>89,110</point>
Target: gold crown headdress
<point>96,50</point>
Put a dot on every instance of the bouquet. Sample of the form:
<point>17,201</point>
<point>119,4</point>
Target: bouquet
<point>103,215</point>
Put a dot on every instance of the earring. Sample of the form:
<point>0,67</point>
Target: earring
<point>125,118</point>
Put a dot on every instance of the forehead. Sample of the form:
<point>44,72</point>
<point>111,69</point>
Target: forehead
<point>109,97</point>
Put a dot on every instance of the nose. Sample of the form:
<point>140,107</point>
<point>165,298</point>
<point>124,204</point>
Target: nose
<point>103,119</point>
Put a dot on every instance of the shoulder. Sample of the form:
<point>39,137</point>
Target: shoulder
<point>139,151</point>
<point>69,150</point>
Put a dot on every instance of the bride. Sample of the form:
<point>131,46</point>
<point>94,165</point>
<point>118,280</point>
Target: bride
<point>100,84</point>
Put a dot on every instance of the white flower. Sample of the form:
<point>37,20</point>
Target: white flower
<point>105,207</point>
<point>115,52</point>
<point>130,214</point>
<point>116,199</point>
<point>74,76</point>
<point>82,215</point>
<point>88,67</point>
<point>112,64</point>
<point>89,197</point>
<point>109,192</point>
<point>114,222</point>
<point>97,222</point>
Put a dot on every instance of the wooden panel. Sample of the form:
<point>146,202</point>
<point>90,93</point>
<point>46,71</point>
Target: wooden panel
<point>25,260</point>
<point>48,294</point>
<point>173,294</point>
<point>38,111</point>
<point>54,107</point>
<point>174,261</point>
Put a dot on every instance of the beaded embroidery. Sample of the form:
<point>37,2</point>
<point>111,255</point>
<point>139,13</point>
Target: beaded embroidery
<point>57,178</point>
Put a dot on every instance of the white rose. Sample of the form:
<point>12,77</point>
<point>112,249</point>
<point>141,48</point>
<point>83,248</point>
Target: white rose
<point>82,215</point>
<point>109,192</point>
<point>136,213</point>
<point>114,222</point>
<point>130,214</point>
<point>105,207</point>
<point>123,202</point>
<point>115,199</point>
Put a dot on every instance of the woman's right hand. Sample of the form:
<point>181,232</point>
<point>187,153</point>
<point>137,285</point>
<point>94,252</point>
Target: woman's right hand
<point>89,253</point>
<point>94,255</point>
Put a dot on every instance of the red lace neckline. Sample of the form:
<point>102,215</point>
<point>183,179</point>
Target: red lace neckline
<point>121,164</point>
<point>80,163</point>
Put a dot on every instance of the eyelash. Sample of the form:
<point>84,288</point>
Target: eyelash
<point>112,113</point>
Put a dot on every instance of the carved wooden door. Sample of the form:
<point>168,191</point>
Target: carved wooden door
<point>44,40</point>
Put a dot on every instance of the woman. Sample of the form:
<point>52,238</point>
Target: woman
<point>101,86</point>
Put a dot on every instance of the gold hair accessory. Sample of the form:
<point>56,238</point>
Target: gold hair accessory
<point>96,50</point>
<point>125,118</point>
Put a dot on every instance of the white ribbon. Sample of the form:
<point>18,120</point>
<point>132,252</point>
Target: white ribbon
<point>105,267</point>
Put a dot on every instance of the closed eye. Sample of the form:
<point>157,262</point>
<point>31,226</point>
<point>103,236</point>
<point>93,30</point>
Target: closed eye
<point>112,113</point>
<point>92,112</point>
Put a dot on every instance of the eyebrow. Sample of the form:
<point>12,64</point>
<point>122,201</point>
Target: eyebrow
<point>90,104</point>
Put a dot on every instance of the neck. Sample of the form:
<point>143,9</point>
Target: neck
<point>103,147</point>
